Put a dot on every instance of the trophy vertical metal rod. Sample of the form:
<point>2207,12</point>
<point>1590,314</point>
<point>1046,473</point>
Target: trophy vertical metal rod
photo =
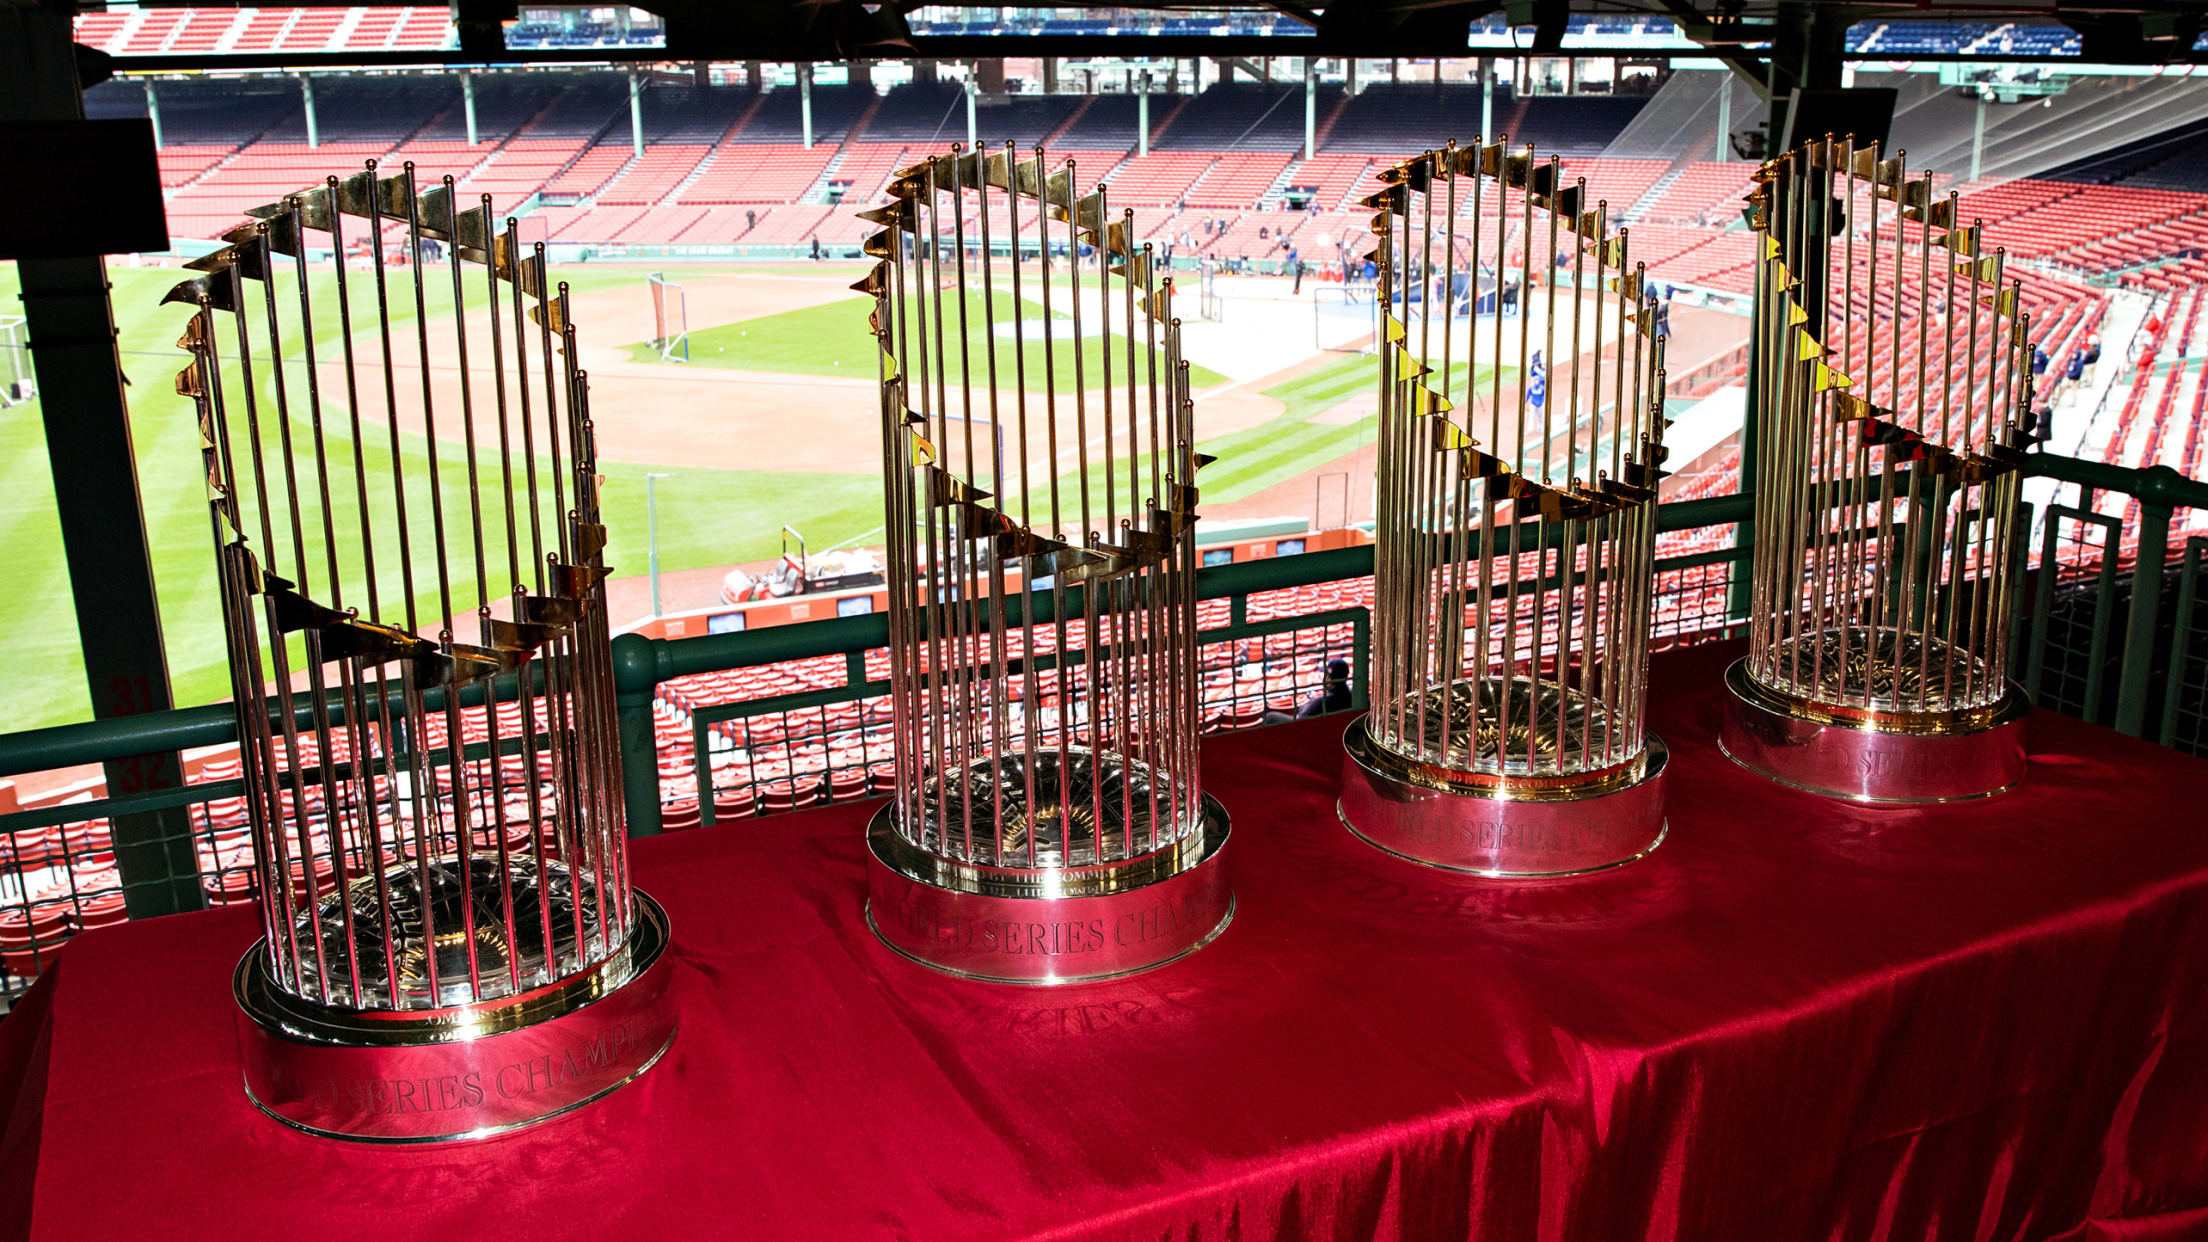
<point>1877,657</point>
<point>1048,825</point>
<point>1509,743</point>
<point>432,966</point>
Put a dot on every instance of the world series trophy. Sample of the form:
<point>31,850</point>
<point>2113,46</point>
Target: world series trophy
<point>1515,535</point>
<point>450,945</point>
<point>1048,825</point>
<point>1894,380</point>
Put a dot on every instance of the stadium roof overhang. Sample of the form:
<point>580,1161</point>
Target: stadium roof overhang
<point>1740,32</point>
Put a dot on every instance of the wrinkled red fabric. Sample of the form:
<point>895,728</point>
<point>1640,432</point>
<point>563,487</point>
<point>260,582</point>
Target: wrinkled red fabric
<point>1796,1019</point>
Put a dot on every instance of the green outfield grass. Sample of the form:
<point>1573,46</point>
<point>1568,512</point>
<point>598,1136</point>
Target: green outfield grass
<point>1256,458</point>
<point>706,517</point>
<point>1288,445</point>
<point>831,339</point>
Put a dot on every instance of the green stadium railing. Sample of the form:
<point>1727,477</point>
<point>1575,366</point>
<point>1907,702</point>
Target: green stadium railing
<point>2088,651</point>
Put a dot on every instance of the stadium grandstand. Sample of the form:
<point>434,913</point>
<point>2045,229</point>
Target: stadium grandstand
<point>697,183</point>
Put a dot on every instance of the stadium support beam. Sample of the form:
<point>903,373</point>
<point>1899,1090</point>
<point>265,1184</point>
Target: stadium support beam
<point>467,103</point>
<point>1978,139</point>
<point>306,100</point>
<point>1487,99</point>
<point>1050,75</point>
<point>1352,75</point>
<point>96,495</point>
<point>153,114</point>
<point>973,123</point>
<point>1697,27</point>
<point>1310,106</point>
<point>636,112</point>
<point>805,101</point>
<point>1142,117</point>
<point>1724,118</point>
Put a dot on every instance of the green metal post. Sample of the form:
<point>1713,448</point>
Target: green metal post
<point>2146,611</point>
<point>95,473</point>
<point>2181,621</point>
<point>636,675</point>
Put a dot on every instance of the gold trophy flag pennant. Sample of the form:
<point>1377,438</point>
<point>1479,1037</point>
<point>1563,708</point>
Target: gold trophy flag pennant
<point>1823,378</point>
<point>1806,348</point>
<point>1849,407</point>
<point>1397,331</point>
<point>1117,237</point>
<point>1613,252</point>
<point>946,489</point>
<point>1425,402</point>
<point>550,315</point>
<point>2001,303</point>
<point>1770,246</point>
<point>1406,367</point>
<point>1983,270</point>
<point>1394,198</point>
<point>921,449</point>
<point>1027,176</point>
<point>1057,193</point>
<point>1088,216</point>
<point>889,366</point>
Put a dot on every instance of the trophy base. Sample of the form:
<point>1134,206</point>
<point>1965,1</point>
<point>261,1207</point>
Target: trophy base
<point>462,1072</point>
<point>1878,757</point>
<point>1049,926</point>
<point>1445,820</point>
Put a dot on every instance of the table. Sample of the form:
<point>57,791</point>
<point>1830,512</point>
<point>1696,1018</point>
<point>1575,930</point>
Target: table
<point>1795,1019</point>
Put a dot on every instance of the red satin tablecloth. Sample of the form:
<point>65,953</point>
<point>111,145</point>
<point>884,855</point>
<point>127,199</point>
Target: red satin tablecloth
<point>1796,1019</point>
